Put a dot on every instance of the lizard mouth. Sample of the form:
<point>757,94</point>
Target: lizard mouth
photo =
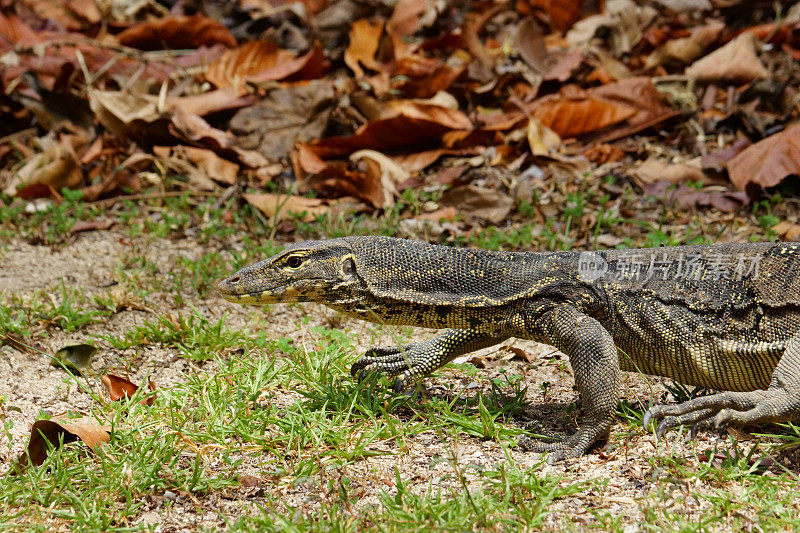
<point>286,292</point>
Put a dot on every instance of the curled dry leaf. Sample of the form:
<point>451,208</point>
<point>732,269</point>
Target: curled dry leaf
<point>46,172</point>
<point>365,37</point>
<point>541,139</point>
<point>176,33</point>
<point>335,177</point>
<point>383,170</point>
<point>736,62</point>
<point>767,162</point>
<point>46,433</point>
<point>202,166</point>
<point>69,14</point>
<point>275,206</point>
<point>120,387</point>
<point>686,49</point>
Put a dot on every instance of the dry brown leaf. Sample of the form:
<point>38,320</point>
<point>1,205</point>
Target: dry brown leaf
<point>335,177</point>
<point>530,43</point>
<point>787,230</point>
<point>285,116</point>
<point>686,49</point>
<point>655,169</point>
<point>561,14</point>
<point>639,94</point>
<point>262,61</point>
<point>382,169</point>
<point>69,14</point>
<point>211,102</point>
<point>365,37</point>
<point>176,33</point>
<point>120,387</point>
<point>202,164</point>
<point>51,431</point>
<point>691,198</point>
<point>409,124</point>
<point>718,161</point>
<point>407,15</point>
<point>570,116</point>
<point>47,172</point>
<point>541,139</point>
<point>736,62</point>
<point>623,21</point>
<point>277,205</point>
<point>480,202</point>
<point>767,162</point>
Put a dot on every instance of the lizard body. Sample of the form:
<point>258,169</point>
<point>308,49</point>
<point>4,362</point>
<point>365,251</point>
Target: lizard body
<point>721,316</point>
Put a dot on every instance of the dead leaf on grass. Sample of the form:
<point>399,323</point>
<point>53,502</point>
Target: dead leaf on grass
<point>736,62</point>
<point>47,433</point>
<point>767,162</point>
<point>176,33</point>
<point>276,205</point>
<point>480,202</point>
<point>655,169</point>
<point>120,387</point>
<point>690,198</point>
<point>77,358</point>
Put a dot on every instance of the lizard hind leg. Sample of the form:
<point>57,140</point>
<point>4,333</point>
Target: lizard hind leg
<point>780,402</point>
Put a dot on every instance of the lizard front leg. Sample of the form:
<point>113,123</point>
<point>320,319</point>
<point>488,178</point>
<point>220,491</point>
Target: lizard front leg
<point>414,361</point>
<point>593,357</point>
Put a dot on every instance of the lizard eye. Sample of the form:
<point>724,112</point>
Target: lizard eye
<point>294,261</point>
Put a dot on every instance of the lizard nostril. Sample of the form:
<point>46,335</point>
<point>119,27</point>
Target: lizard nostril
<point>235,279</point>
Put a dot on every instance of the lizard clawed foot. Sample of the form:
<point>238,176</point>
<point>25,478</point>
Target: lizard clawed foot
<point>724,409</point>
<point>407,363</point>
<point>573,446</point>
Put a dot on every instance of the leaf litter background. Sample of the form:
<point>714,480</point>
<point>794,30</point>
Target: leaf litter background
<point>316,108</point>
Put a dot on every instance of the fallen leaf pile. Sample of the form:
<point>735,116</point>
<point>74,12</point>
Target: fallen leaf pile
<point>332,101</point>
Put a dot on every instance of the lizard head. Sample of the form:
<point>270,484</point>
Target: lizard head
<point>303,272</point>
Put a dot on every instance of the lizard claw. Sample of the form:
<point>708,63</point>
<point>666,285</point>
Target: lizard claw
<point>646,419</point>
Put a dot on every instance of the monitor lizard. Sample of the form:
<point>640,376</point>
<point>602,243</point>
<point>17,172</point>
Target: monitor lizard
<point>722,316</point>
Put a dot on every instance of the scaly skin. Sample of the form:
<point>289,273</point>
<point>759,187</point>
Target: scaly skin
<point>721,316</point>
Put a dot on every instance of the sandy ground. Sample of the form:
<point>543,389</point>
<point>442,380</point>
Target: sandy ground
<point>30,384</point>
